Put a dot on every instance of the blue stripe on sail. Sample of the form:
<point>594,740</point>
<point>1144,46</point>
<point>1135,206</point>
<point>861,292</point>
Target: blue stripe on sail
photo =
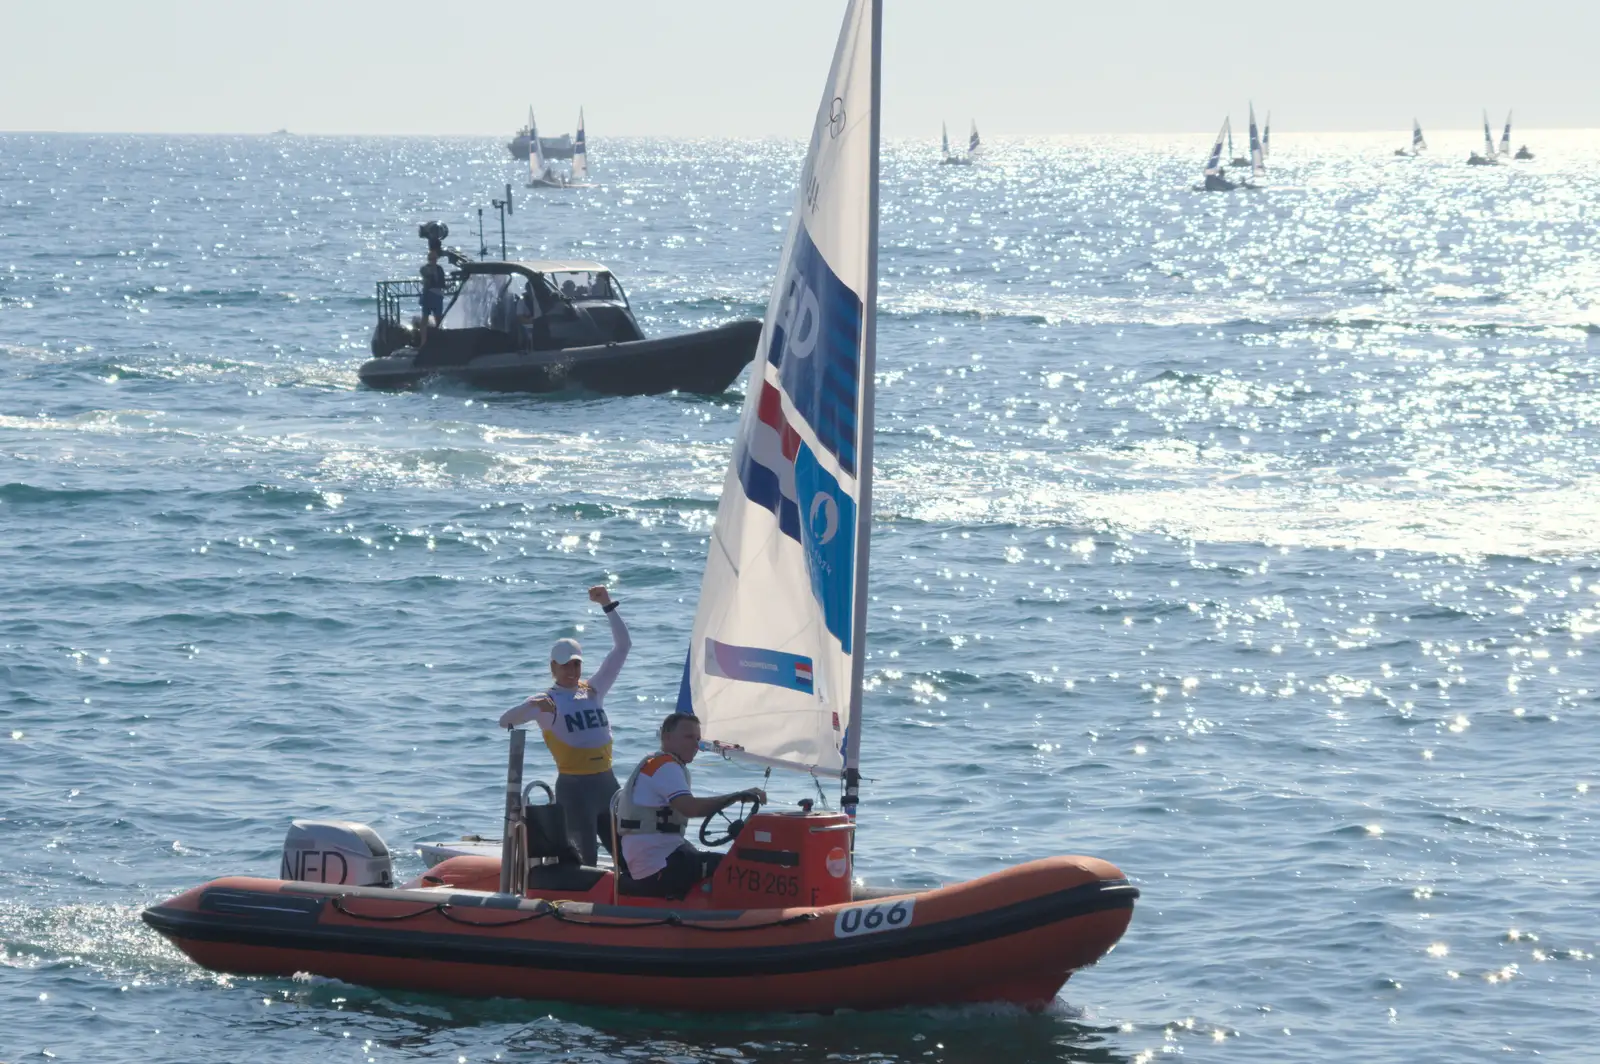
<point>830,541</point>
<point>816,345</point>
<point>762,487</point>
<point>686,691</point>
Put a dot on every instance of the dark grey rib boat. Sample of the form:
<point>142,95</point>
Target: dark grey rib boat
<point>544,327</point>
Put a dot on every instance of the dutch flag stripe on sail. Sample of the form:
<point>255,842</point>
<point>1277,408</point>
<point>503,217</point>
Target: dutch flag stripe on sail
<point>766,463</point>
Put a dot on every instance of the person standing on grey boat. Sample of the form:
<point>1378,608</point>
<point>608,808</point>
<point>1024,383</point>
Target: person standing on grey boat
<point>572,717</point>
<point>433,289</point>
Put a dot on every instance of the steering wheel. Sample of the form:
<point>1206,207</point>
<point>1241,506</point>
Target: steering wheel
<point>734,824</point>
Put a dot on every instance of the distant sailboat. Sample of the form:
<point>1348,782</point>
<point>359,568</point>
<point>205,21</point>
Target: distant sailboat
<point>1266,137</point>
<point>1488,157</point>
<point>1523,154</point>
<point>580,157</point>
<point>973,144</point>
<point>1258,151</point>
<point>950,158</point>
<point>540,175</point>
<point>1418,145</point>
<point>1216,179</point>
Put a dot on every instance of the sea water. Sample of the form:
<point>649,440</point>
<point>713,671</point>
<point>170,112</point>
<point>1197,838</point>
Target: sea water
<point>1247,541</point>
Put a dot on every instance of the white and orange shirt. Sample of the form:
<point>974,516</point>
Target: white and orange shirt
<point>658,780</point>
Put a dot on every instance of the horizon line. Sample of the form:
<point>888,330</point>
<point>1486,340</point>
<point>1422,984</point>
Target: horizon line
<point>1474,130</point>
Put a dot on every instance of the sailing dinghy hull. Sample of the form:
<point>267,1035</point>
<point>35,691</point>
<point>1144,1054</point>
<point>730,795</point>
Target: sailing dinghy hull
<point>1015,936</point>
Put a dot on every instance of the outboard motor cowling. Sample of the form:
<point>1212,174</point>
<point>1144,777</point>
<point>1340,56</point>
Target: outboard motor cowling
<point>336,851</point>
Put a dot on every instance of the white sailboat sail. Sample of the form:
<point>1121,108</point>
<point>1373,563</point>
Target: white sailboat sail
<point>1505,136</point>
<point>944,138</point>
<point>1258,155</point>
<point>535,150</point>
<point>972,141</point>
<point>1488,138</point>
<point>1417,143</point>
<point>1214,160</point>
<point>775,660</point>
<point>580,152</point>
<point>1266,137</point>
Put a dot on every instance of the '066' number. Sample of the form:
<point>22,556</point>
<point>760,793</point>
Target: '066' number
<point>870,919</point>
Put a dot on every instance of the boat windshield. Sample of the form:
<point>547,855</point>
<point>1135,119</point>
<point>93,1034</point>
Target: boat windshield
<point>585,284</point>
<point>486,301</point>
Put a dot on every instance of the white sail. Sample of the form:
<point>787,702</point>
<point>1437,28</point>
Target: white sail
<point>775,659</point>
<point>1417,143</point>
<point>1488,138</point>
<point>944,138</point>
<point>1258,154</point>
<point>1505,137</point>
<point>535,150</point>
<point>1214,160</point>
<point>972,141</point>
<point>580,152</point>
<point>1266,137</point>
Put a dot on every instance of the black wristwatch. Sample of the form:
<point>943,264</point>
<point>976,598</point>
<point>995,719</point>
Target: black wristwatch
<point>613,604</point>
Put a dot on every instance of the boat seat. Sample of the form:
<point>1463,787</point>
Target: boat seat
<point>547,835</point>
<point>553,862</point>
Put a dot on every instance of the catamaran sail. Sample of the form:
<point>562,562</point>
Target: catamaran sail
<point>1488,138</point>
<point>1258,154</point>
<point>1505,137</point>
<point>1266,137</point>
<point>1214,161</point>
<point>972,141</point>
<point>775,660</point>
<point>944,138</point>
<point>1417,143</point>
<point>580,152</point>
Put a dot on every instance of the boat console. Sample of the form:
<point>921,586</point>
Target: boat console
<point>784,859</point>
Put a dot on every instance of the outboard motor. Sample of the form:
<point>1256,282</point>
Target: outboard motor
<point>336,851</point>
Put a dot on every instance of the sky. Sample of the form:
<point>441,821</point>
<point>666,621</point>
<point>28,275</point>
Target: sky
<point>755,67</point>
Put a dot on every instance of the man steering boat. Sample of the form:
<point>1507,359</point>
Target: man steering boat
<point>653,810</point>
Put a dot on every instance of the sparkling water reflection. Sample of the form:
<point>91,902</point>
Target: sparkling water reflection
<point>1247,541</point>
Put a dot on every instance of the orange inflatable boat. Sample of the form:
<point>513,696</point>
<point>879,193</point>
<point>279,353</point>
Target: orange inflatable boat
<point>779,925</point>
<point>1014,936</point>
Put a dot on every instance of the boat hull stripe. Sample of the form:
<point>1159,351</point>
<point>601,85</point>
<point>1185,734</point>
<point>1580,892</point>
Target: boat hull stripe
<point>720,962</point>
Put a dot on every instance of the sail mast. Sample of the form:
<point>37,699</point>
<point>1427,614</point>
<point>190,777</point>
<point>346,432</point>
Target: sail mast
<point>869,356</point>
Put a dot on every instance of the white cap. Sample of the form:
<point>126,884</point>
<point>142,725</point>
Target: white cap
<point>566,650</point>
